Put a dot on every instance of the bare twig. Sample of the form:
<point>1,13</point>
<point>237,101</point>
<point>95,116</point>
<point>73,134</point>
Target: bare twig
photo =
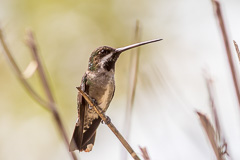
<point>215,136</point>
<point>134,61</point>
<point>210,133</point>
<point>212,104</point>
<point>51,102</point>
<point>50,105</point>
<point>144,153</point>
<point>219,136</point>
<point>19,75</point>
<point>219,16</point>
<point>109,124</point>
<point>237,49</point>
<point>33,47</point>
<point>134,69</point>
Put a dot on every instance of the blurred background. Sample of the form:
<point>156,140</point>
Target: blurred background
<point>170,87</point>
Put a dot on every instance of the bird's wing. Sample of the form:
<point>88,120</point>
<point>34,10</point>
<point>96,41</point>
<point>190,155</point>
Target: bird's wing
<point>81,111</point>
<point>90,133</point>
<point>76,142</point>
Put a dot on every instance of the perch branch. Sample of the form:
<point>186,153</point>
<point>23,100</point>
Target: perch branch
<point>109,124</point>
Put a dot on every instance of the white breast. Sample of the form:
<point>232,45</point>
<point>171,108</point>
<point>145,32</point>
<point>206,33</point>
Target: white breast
<point>104,102</point>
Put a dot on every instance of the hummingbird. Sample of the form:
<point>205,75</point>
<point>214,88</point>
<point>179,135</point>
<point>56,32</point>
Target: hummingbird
<point>98,82</point>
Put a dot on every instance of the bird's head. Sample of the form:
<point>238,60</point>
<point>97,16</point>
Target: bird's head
<point>105,57</point>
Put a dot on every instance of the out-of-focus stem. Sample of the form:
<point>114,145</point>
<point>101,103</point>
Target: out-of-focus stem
<point>219,16</point>
<point>19,75</point>
<point>51,102</point>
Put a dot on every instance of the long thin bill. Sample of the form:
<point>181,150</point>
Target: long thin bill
<point>122,49</point>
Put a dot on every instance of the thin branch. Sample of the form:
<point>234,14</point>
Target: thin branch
<point>237,49</point>
<point>134,62</point>
<point>144,153</point>
<point>212,104</point>
<point>33,47</point>
<point>52,105</point>
<point>210,133</point>
<point>46,105</point>
<point>134,68</point>
<point>219,16</point>
<point>19,75</point>
<point>109,124</point>
<point>219,136</point>
<point>215,136</point>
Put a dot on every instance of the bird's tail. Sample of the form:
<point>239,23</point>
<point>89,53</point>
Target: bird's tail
<point>84,141</point>
<point>76,140</point>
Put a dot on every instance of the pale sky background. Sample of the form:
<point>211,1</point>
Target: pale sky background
<point>170,84</point>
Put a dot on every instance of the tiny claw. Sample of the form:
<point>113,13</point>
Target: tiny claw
<point>90,107</point>
<point>108,121</point>
<point>94,101</point>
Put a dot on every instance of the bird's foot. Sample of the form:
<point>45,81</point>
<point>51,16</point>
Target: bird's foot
<point>94,101</point>
<point>108,121</point>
